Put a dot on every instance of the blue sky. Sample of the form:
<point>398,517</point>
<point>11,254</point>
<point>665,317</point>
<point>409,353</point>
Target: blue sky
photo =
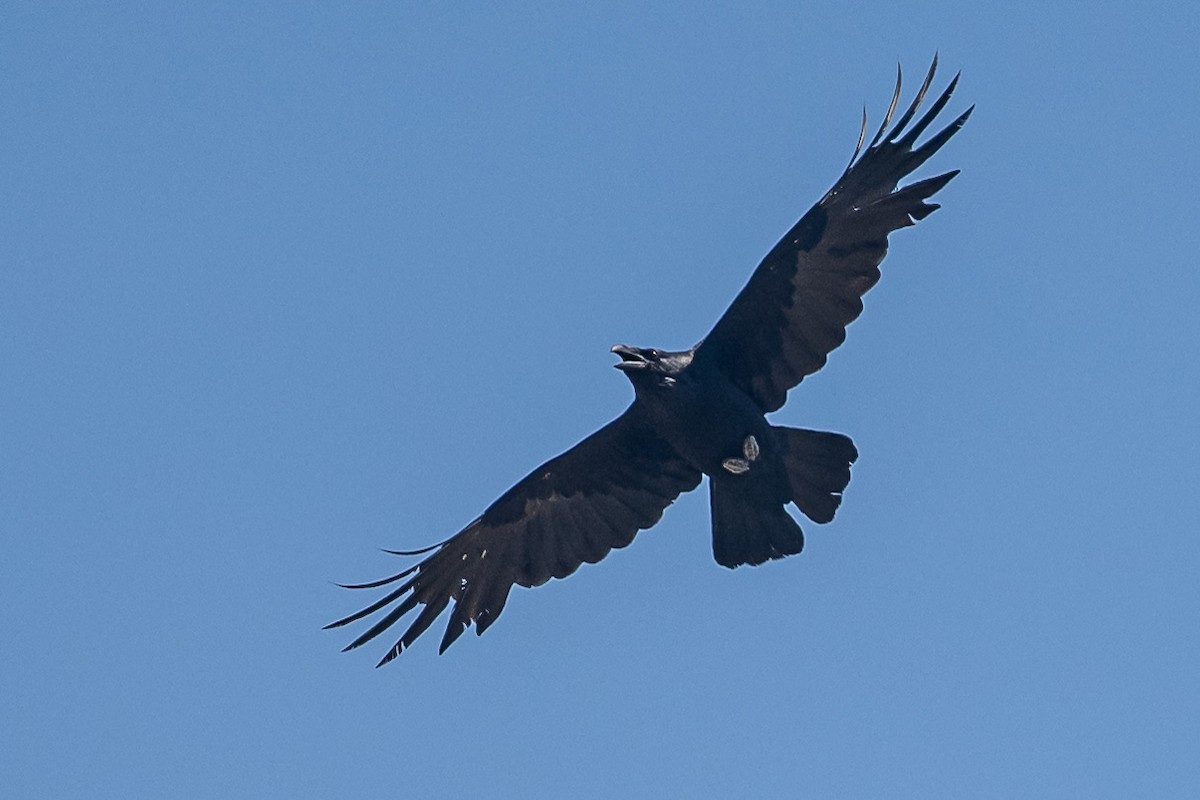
<point>284,284</point>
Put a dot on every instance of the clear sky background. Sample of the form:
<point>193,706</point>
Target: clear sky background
<point>286,283</point>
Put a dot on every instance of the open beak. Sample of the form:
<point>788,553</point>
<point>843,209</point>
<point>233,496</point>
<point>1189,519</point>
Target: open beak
<point>631,358</point>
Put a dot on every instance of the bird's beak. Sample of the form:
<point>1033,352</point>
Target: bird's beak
<point>631,358</point>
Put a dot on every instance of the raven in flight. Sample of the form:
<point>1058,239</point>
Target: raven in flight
<point>697,412</point>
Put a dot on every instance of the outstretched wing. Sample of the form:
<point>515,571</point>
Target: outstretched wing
<point>795,309</point>
<point>572,509</point>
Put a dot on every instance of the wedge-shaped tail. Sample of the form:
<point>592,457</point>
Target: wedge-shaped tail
<point>750,523</point>
<point>749,509</point>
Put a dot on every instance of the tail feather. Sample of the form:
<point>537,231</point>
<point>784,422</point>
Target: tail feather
<point>750,523</point>
<point>818,469</point>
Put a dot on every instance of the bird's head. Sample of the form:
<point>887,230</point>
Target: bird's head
<point>649,366</point>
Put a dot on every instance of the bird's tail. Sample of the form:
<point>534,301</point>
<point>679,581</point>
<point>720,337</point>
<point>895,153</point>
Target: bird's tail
<point>749,516</point>
<point>818,469</point>
<point>749,522</point>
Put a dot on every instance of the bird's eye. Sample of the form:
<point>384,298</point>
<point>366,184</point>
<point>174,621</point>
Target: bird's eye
<point>654,355</point>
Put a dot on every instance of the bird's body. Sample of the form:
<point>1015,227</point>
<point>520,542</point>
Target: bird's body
<point>720,431</point>
<point>697,412</point>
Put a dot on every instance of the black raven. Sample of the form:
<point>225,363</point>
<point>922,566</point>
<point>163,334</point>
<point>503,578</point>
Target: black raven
<point>697,412</point>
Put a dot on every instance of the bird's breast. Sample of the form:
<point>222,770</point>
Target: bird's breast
<point>707,421</point>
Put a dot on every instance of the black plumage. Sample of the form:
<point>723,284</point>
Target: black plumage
<point>697,412</point>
